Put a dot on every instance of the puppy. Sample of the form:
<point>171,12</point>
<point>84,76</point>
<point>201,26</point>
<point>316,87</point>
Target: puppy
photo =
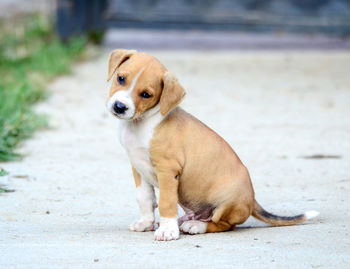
<point>170,149</point>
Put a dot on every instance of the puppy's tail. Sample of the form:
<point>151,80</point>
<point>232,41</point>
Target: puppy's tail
<point>263,215</point>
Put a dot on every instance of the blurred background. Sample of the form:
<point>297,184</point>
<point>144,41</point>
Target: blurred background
<point>208,23</point>
<point>282,22</point>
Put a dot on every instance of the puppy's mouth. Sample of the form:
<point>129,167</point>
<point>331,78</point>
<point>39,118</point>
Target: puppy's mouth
<point>115,114</point>
<point>121,116</point>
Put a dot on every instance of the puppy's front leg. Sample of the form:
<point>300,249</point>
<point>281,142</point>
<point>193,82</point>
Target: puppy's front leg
<point>168,198</point>
<point>146,200</point>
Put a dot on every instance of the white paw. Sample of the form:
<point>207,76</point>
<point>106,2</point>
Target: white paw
<point>168,230</point>
<point>194,227</point>
<point>142,225</point>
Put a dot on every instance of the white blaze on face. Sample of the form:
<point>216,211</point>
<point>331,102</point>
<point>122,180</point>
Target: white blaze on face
<point>124,97</point>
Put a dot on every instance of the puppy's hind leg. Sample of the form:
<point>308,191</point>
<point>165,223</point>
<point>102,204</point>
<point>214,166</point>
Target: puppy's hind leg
<point>225,218</point>
<point>201,227</point>
<point>211,225</point>
<point>194,227</point>
<point>220,226</point>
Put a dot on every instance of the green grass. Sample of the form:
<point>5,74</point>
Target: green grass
<point>3,172</point>
<point>30,56</point>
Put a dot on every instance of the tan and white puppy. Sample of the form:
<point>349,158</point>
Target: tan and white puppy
<point>168,148</point>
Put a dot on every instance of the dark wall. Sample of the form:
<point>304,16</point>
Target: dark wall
<point>302,16</point>
<point>255,15</point>
<point>331,16</point>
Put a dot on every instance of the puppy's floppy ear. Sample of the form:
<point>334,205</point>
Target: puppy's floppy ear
<point>116,58</point>
<point>172,95</point>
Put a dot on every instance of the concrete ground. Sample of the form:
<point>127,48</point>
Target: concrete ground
<point>286,114</point>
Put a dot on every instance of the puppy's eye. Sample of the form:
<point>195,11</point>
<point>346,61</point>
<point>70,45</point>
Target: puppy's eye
<point>121,80</point>
<point>145,95</point>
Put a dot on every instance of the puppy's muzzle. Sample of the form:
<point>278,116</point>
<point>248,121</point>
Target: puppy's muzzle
<point>119,108</point>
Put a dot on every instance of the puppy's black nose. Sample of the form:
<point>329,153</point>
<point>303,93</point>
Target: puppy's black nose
<point>119,107</point>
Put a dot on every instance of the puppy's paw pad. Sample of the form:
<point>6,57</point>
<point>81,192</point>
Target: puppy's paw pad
<point>142,226</point>
<point>194,227</point>
<point>164,234</point>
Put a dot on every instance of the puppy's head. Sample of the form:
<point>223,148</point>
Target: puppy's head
<point>140,83</point>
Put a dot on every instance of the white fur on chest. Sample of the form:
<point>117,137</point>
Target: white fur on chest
<point>135,137</point>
